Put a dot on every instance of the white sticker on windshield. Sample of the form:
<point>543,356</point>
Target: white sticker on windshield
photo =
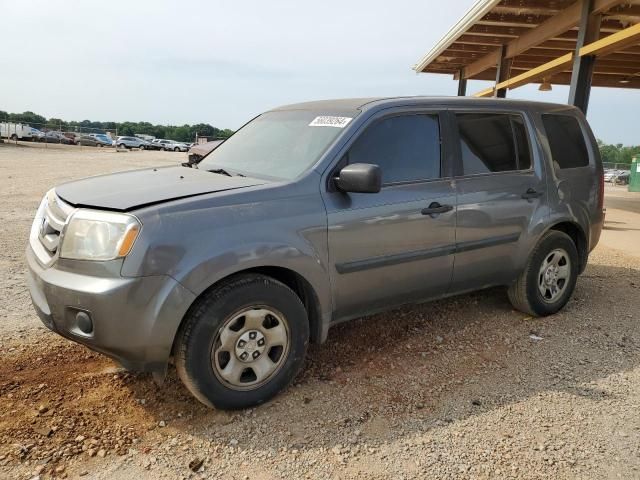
<point>329,121</point>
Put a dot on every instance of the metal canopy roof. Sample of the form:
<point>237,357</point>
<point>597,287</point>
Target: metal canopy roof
<point>541,40</point>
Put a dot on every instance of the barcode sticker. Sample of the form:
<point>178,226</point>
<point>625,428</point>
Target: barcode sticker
<point>329,121</point>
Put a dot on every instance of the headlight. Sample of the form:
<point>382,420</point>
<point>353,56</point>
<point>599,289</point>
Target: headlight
<point>100,236</point>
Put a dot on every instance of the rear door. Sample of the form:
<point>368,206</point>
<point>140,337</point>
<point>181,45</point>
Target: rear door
<point>386,248</point>
<point>576,182</point>
<point>501,196</point>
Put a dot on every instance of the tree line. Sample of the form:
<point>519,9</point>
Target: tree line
<point>617,153</point>
<point>181,133</point>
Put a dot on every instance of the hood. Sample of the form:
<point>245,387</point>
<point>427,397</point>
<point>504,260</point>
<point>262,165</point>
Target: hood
<point>138,188</point>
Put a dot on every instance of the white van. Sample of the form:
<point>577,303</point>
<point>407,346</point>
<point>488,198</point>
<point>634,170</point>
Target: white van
<point>16,131</point>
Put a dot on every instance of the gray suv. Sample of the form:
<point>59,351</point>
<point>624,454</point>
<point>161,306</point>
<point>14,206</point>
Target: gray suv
<point>310,215</point>
<point>131,142</point>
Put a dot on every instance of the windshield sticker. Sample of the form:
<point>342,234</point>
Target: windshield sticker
<point>329,121</point>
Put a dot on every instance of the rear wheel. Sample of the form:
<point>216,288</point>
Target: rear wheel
<point>122,145</point>
<point>547,282</point>
<point>177,149</point>
<point>14,137</point>
<point>242,342</point>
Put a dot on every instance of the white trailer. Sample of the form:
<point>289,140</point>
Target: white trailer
<point>16,131</point>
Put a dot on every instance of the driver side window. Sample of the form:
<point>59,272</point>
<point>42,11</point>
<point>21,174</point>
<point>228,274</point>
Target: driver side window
<point>405,147</point>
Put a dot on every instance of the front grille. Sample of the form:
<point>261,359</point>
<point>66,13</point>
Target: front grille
<point>55,215</point>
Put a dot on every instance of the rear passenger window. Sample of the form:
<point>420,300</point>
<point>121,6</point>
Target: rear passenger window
<point>522,142</point>
<point>493,142</point>
<point>405,147</point>
<point>566,141</point>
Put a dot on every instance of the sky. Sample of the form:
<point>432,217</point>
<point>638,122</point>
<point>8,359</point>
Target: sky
<point>223,62</point>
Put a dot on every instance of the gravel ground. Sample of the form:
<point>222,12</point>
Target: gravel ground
<point>460,388</point>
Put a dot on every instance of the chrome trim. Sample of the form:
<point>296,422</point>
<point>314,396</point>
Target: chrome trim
<point>56,214</point>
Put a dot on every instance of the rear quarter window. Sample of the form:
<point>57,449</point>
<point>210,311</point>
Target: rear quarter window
<point>566,141</point>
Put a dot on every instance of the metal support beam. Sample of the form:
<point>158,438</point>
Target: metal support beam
<point>554,26</point>
<point>462,85</point>
<point>582,73</point>
<point>504,65</point>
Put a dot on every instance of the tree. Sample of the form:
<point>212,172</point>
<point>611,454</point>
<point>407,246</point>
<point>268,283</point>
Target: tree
<point>27,117</point>
<point>183,133</point>
<point>617,153</point>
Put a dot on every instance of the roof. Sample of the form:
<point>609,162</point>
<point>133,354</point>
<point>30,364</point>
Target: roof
<point>363,104</point>
<point>535,33</point>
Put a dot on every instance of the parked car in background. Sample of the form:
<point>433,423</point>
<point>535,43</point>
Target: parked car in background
<point>131,142</point>
<point>179,147</point>
<point>311,215</point>
<point>16,131</point>
<point>152,145</point>
<point>171,145</point>
<point>609,174</point>
<point>73,136</point>
<point>622,178</point>
<point>55,137</point>
<point>91,141</point>
<point>36,134</point>
<point>103,139</point>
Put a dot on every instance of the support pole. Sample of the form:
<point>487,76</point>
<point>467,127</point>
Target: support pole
<point>504,65</point>
<point>582,73</point>
<point>462,84</point>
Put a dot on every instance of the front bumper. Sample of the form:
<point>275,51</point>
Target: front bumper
<point>134,320</point>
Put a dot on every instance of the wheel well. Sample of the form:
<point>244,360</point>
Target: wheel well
<point>579,239</point>
<point>303,289</point>
<point>295,282</point>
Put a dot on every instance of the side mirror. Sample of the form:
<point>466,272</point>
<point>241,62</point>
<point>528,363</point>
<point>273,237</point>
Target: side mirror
<point>359,178</point>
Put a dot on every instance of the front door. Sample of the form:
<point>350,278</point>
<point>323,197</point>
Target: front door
<point>395,246</point>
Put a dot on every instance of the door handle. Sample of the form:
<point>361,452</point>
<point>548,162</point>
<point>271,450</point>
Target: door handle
<point>436,209</point>
<point>531,193</point>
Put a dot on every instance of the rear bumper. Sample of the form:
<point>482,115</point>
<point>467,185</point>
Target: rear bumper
<point>132,320</point>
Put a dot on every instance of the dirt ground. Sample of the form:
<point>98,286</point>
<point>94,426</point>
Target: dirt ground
<point>461,388</point>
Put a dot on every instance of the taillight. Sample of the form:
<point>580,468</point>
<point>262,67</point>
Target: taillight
<point>601,192</point>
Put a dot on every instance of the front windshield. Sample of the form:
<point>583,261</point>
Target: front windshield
<point>279,144</point>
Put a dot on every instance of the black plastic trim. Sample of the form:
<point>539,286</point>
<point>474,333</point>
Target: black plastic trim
<point>388,260</point>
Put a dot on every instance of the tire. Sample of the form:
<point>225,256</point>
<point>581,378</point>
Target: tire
<point>164,149</point>
<point>122,145</point>
<point>141,147</point>
<point>526,294</point>
<point>235,310</point>
<point>14,137</point>
<point>99,145</point>
<point>176,149</point>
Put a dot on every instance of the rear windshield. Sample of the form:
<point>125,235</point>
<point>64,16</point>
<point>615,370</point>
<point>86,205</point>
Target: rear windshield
<point>279,144</point>
<point>566,140</point>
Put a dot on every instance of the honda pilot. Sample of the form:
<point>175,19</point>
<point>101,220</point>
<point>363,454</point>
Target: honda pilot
<point>310,215</point>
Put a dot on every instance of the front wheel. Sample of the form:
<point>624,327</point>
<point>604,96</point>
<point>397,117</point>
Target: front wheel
<point>242,342</point>
<point>547,282</point>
